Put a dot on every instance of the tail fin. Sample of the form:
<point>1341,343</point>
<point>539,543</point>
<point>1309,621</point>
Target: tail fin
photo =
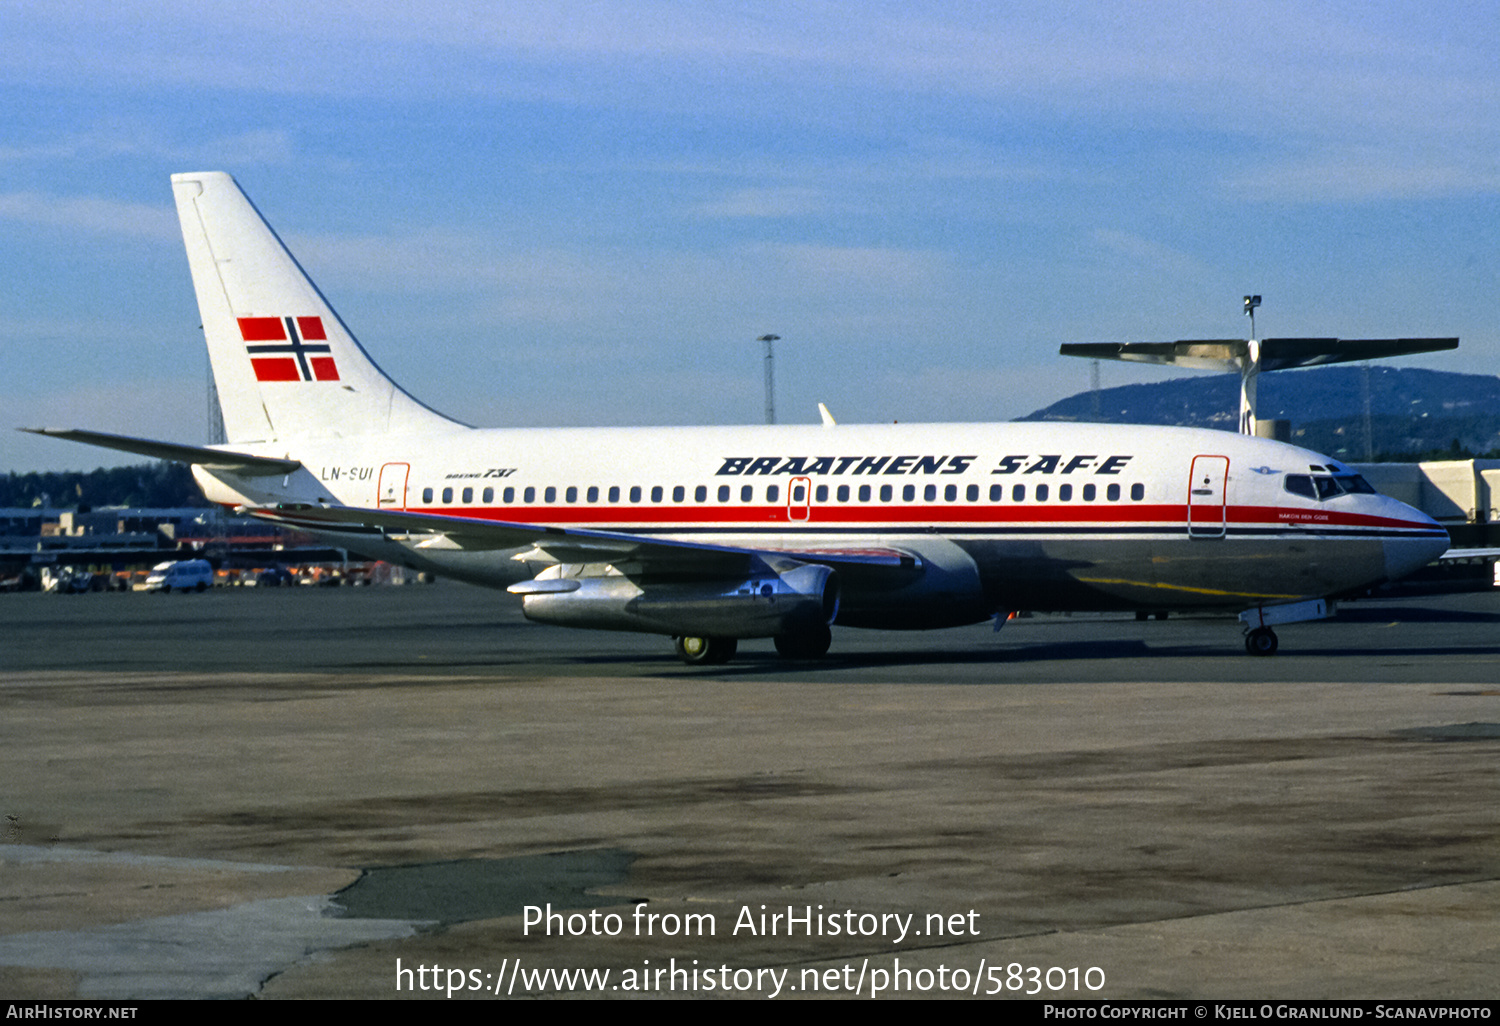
<point>285,365</point>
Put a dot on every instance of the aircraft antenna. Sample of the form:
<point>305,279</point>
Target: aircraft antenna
<point>1251,302</point>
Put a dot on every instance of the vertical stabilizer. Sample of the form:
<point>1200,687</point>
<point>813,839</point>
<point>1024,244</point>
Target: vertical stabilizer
<point>285,365</point>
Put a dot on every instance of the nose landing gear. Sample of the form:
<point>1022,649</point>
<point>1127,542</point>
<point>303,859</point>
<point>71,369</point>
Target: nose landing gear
<point>1260,640</point>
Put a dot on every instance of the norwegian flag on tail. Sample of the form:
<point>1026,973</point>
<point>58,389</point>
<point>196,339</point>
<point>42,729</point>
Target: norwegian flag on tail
<point>288,348</point>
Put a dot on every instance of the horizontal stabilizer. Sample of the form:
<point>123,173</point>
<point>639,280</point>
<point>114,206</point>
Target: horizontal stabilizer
<point>213,459</point>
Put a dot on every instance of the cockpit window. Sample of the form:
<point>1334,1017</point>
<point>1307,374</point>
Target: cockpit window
<point>1323,487</point>
<point>1300,484</point>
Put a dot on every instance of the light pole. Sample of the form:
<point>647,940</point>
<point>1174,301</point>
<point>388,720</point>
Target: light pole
<point>770,378</point>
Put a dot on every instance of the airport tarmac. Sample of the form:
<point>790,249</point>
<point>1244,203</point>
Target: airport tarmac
<point>328,793</point>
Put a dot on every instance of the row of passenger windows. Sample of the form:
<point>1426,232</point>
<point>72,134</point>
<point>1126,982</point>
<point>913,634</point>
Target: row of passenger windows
<point>797,493</point>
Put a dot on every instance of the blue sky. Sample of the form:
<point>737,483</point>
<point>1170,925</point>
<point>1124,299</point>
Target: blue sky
<point>586,212</point>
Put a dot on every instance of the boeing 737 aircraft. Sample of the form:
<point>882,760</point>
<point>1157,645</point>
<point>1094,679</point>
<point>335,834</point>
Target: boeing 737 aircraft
<point>711,535</point>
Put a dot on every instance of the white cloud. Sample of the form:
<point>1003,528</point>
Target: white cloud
<point>766,202</point>
<point>1368,173</point>
<point>260,146</point>
<point>1149,255</point>
<point>90,214</point>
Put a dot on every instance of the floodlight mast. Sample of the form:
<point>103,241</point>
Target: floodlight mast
<point>770,377</point>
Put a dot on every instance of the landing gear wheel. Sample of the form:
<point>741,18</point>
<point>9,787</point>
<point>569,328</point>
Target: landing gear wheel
<point>1261,642</point>
<point>806,643</point>
<point>705,651</point>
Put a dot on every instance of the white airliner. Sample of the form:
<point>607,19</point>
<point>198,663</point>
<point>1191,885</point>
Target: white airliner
<point>710,535</point>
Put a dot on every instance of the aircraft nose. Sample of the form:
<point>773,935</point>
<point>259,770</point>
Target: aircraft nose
<point>1426,541</point>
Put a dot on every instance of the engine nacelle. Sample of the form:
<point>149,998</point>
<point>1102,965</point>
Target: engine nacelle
<point>761,605</point>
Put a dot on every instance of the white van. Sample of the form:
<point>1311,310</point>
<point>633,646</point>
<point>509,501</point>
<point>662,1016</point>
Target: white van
<point>181,574</point>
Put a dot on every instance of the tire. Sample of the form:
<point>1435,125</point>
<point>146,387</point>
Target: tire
<point>806,643</point>
<point>705,651</point>
<point>1261,642</point>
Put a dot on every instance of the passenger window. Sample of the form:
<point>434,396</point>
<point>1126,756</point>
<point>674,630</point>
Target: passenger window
<point>509,495</point>
<point>529,495</point>
<point>656,493</point>
<point>798,493</point>
<point>723,493</point>
<point>678,493</point>
<point>700,494</point>
<point>1064,493</point>
<point>997,493</point>
<point>447,495</point>
<point>1137,492</point>
<point>592,495</point>
<point>488,496</point>
<point>635,493</point>
<point>908,493</point>
<point>843,493</point>
<point>885,493</point>
<point>467,495</point>
<point>550,494</point>
<point>1112,493</point>
<point>614,493</point>
<point>1041,493</point>
<point>772,493</point>
<point>1089,492</point>
<point>929,494</point>
<point>571,495</point>
<point>864,493</point>
<point>950,493</point>
<point>1018,493</point>
<point>821,494</point>
<point>427,495</point>
<point>747,493</point>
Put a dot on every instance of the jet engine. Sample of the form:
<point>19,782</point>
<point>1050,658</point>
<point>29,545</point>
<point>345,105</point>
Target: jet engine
<point>775,601</point>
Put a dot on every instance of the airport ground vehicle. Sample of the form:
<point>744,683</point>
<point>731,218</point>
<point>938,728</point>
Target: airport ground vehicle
<point>179,575</point>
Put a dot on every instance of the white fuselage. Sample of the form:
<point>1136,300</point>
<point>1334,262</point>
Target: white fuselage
<point>1002,516</point>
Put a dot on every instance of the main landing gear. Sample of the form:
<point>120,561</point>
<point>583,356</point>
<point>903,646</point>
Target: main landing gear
<point>705,651</point>
<point>809,642</point>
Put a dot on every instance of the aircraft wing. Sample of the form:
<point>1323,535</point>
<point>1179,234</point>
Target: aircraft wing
<point>213,459</point>
<point>570,545</point>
